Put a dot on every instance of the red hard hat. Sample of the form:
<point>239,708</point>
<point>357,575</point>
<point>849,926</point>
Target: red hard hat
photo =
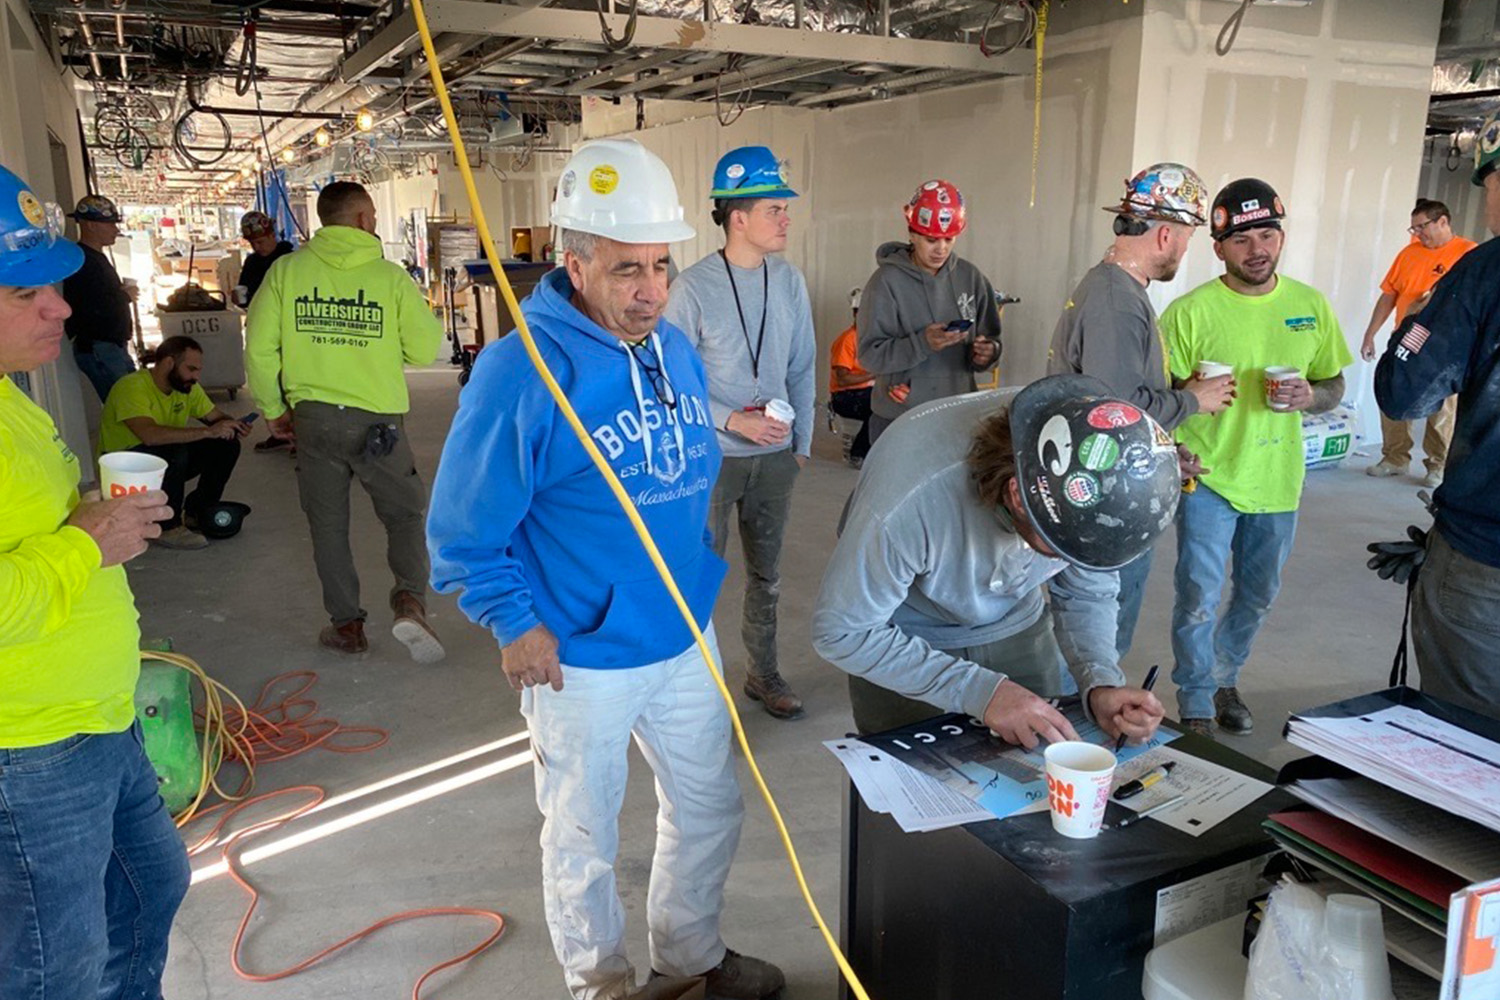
<point>936,211</point>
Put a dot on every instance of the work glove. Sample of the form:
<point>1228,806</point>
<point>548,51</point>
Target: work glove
<point>1399,561</point>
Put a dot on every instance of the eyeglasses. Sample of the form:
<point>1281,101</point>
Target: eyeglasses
<point>665,394</point>
<point>1421,226</point>
<point>36,237</point>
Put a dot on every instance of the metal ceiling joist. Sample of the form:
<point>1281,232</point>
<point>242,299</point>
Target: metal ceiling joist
<point>479,17</point>
<point>626,68</point>
<point>394,41</point>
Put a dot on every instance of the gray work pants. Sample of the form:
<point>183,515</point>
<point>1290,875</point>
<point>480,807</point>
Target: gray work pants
<point>1031,658</point>
<point>760,488</point>
<point>331,453</point>
<point>1455,627</point>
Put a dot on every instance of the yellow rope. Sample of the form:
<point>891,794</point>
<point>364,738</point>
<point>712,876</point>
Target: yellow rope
<point>1036,124</point>
<point>571,416</point>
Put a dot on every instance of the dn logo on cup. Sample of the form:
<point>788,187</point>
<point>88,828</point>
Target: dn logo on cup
<point>117,490</point>
<point>1060,796</point>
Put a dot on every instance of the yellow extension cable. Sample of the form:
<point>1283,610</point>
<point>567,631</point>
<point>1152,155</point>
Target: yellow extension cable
<point>524,331</point>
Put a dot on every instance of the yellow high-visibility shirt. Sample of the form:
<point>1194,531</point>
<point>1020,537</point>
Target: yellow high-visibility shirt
<point>136,395</point>
<point>69,642</point>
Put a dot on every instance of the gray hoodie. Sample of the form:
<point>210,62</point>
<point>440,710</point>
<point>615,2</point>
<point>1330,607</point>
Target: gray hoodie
<point>921,566</point>
<point>1108,330</point>
<point>899,302</point>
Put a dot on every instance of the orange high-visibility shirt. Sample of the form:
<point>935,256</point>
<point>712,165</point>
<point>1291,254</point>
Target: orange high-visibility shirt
<point>842,355</point>
<point>1416,269</point>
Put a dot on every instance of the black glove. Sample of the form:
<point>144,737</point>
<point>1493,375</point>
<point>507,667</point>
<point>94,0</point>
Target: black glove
<point>380,440</point>
<point>1399,561</point>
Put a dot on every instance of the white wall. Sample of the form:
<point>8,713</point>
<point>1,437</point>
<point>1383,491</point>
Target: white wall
<point>1452,187</point>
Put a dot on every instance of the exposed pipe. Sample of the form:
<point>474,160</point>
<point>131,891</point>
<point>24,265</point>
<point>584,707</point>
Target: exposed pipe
<point>196,105</point>
<point>885,18</point>
<point>88,40</point>
<point>120,37</point>
<point>1463,95</point>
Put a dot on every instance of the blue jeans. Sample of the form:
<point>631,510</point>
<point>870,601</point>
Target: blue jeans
<point>104,366</point>
<point>1132,591</point>
<point>91,871</point>
<point>1210,650</point>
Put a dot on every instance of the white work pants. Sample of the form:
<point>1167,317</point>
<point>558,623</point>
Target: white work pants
<point>581,736</point>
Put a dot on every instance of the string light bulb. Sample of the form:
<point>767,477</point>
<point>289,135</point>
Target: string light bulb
<point>288,155</point>
<point>322,138</point>
<point>364,120</point>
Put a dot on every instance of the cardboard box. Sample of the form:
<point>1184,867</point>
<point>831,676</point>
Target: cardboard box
<point>1008,910</point>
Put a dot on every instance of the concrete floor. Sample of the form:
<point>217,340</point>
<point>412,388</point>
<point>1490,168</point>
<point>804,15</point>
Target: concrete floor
<point>249,608</point>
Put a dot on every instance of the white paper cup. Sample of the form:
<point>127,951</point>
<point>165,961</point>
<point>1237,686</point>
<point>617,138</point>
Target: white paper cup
<point>780,409</point>
<point>1274,377</point>
<point>122,473</point>
<point>1212,369</point>
<point>1078,783</point>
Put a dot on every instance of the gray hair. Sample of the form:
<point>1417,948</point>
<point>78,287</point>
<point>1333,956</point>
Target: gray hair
<point>577,243</point>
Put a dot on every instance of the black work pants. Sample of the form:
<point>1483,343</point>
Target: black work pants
<point>210,461</point>
<point>854,404</point>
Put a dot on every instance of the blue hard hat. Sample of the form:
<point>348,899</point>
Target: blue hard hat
<point>750,172</point>
<point>33,251</point>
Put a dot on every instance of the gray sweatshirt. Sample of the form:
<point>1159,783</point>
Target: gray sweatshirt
<point>702,305</point>
<point>1108,330</point>
<point>922,566</point>
<point>899,302</point>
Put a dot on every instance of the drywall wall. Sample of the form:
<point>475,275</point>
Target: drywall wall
<point>1453,188</point>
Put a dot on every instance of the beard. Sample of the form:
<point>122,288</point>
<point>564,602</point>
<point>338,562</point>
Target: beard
<point>180,384</point>
<point>1256,277</point>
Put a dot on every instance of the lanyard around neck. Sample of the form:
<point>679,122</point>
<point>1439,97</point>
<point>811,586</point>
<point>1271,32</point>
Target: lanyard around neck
<point>765,307</point>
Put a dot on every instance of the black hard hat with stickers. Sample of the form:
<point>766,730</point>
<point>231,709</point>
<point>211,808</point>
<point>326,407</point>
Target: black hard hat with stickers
<point>1098,476</point>
<point>1248,203</point>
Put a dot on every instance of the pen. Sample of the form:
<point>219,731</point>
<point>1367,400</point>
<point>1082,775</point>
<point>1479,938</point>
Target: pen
<point>1164,804</point>
<point>1150,683</point>
<point>1145,781</point>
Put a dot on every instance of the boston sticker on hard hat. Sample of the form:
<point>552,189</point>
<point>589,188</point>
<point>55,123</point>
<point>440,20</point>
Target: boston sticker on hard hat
<point>1108,416</point>
<point>31,208</point>
<point>735,171</point>
<point>603,179</point>
<point>1099,452</point>
<point>1082,489</point>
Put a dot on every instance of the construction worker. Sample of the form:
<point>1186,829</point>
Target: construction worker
<point>849,385</point>
<point>978,552</point>
<point>1283,343</point>
<point>928,320</point>
<point>1108,327</point>
<point>93,867</point>
<point>333,324</point>
<point>527,530</point>
<point>259,231</point>
<point>101,326</point>
<point>1433,251</point>
<point>1453,346</point>
<point>163,411</point>
<point>746,310</point>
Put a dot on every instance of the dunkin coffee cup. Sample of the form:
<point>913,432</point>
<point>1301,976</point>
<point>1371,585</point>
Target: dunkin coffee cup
<point>122,473</point>
<point>1079,776</point>
<point>1274,378</point>
<point>780,409</point>
<point>1212,369</point>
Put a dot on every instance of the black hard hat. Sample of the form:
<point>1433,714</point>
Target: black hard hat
<point>1248,203</point>
<point>1097,475</point>
<point>224,519</point>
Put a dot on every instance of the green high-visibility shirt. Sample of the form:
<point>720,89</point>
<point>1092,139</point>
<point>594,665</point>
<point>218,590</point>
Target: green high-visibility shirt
<point>69,643</point>
<point>334,323</point>
<point>1254,453</point>
<point>136,395</point>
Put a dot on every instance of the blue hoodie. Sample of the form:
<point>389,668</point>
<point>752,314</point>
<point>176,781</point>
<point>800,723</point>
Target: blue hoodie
<point>524,525</point>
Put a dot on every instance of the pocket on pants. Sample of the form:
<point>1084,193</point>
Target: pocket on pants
<point>32,760</point>
<point>1469,595</point>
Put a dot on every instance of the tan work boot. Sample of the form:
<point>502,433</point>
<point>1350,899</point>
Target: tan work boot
<point>181,537</point>
<point>772,691</point>
<point>347,638</point>
<point>412,630</point>
<point>739,977</point>
<point>1384,470</point>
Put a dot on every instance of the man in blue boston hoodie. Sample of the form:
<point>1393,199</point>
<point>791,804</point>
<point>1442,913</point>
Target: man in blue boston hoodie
<point>525,527</point>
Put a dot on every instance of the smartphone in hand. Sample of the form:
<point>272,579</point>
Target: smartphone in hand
<point>960,325</point>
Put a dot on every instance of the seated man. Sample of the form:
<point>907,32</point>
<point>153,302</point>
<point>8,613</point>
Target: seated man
<point>933,600</point>
<point>150,411</point>
<point>849,385</point>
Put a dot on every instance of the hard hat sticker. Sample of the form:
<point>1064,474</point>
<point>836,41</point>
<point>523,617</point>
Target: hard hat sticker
<point>735,171</point>
<point>1044,493</point>
<point>930,186</point>
<point>1139,462</point>
<point>604,179</point>
<point>924,216</point>
<point>31,208</point>
<point>1099,452</point>
<point>568,183</point>
<point>1082,489</point>
<point>945,219</point>
<point>1108,416</point>
<point>1221,217</point>
<point>1054,446</point>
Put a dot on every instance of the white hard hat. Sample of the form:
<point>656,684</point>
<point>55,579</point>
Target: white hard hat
<point>619,189</point>
<point>854,294</point>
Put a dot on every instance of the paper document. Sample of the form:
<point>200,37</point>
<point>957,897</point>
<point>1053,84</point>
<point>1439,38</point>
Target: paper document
<point>1211,793</point>
<point>961,753</point>
<point>1471,968</point>
<point>1207,899</point>
<point>1461,846</point>
<point>1409,750</point>
<point>915,801</point>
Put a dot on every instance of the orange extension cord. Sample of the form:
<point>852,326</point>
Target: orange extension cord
<point>277,728</point>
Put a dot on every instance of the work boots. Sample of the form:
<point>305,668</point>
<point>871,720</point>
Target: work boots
<point>347,638</point>
<point>740,977</point>
<point>772,691</point>
<point>1200,727</point>
<point>412,630</point>
<point>1232,714</point>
